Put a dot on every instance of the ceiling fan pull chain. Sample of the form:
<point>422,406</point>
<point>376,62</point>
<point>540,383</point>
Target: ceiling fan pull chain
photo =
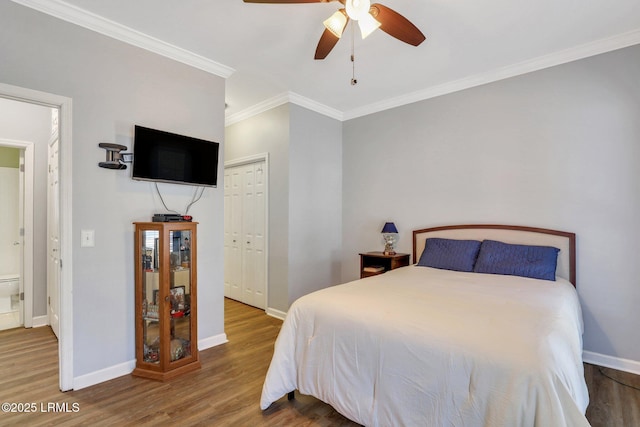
<point>353,55</point>
<point>353,74</point>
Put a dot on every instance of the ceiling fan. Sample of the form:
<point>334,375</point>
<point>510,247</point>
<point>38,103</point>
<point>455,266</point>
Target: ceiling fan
<point>369,17</point>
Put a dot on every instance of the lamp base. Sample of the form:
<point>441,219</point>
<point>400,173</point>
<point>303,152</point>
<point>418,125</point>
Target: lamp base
<point>388,248</point>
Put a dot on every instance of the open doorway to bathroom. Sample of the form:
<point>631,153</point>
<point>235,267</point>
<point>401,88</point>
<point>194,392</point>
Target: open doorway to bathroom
<point>41,137</point>
<point>25,132</point>
<point>12,202</point>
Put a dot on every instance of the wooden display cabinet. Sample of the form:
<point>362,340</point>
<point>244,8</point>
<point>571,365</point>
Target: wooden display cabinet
<point>166,299</point>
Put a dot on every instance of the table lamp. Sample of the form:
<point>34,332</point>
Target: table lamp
<point>390,236</point>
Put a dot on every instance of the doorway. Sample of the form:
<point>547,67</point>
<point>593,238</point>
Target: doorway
<point>16,233</point>
<point>62,124</point>
<point>246,230</point>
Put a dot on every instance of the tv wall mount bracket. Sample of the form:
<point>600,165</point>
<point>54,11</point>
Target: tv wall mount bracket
<point>115,159</point>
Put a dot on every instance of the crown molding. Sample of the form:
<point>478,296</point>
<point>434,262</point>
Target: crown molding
<point>562,57</point>
<point>278,100</point>
<point>256,109</point>
<point>99,24</point>
<point>558,58</point>
<point>312,105</point>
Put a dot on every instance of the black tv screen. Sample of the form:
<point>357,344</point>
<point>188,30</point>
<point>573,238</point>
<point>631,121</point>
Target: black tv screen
<point>168,157</point>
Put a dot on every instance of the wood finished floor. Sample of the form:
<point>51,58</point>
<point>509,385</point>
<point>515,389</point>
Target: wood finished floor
<point>225,392</point>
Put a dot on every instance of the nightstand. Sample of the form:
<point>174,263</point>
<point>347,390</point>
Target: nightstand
<point>372,263</point>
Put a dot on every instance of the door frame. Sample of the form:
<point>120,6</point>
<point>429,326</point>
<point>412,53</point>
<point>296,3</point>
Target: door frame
<point>26,271</point>
<point>242,161</point>
<point>64,106</point>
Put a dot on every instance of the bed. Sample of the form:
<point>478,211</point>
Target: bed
<point>433,346</point>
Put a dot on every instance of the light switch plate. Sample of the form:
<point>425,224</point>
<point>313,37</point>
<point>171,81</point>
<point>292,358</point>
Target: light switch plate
<point>87,238</point>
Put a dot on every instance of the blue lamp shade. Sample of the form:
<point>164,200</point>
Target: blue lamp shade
<point>389,227</point>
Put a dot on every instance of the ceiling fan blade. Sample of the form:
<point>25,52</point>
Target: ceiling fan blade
<point>327,41</point>
<point>397,25</point>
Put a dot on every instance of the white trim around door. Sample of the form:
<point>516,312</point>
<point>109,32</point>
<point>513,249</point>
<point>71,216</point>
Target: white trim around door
<point>64,106</point>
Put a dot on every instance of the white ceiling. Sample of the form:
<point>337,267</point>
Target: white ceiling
<point>469,42</point>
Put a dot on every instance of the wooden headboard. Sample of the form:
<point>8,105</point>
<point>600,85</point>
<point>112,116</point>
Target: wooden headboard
<point>562,240</point>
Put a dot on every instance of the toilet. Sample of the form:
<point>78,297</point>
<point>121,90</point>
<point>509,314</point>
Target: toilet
<point>9,287</point>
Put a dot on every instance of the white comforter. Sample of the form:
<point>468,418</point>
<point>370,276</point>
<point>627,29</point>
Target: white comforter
<point>418,346</point>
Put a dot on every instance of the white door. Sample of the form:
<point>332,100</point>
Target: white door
<point>10,236</point>
<point>53,235</point>
<point>254,236</point>
<point>227,233</point>
<point>21,213</point>
<point>21,228</point>
<point>247,216</point>
<point>232,234</point>
<point>245,230</point>
<point>9,220</point>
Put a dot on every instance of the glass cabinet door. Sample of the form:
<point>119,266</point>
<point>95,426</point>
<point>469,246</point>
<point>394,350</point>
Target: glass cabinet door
<point>150,295</point>
<point>180,294</point>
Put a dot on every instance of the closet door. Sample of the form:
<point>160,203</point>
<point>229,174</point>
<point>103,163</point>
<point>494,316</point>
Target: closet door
<point>259,237</point>
<point>232,233</point>
<point>253,223</point>
<point>245,243</point>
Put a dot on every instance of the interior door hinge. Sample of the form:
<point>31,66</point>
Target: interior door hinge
<point>22,168</point>
<point>21,296</point>
<point>49,300</point>
<point>22,232</point>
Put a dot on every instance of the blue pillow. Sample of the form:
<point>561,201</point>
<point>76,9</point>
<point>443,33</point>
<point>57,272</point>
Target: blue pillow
<point>538,262</point>
<point>448,254</point>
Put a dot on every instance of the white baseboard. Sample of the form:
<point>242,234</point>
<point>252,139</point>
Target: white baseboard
<point>103,375</point>
<point>213,341</point>
<point>276,313</point>
<point>126,368</point>
<point>40,321</point>
<point>626,365</point>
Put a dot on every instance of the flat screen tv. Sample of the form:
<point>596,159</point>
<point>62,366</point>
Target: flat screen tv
<point>167,157</point>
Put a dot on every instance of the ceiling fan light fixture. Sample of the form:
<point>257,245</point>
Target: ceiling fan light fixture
<point>357,9</point>
<point>336,23</point>
<point>369,16</point>
<point>368,24</point>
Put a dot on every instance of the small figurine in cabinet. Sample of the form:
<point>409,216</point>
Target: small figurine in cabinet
<point>147,260</point>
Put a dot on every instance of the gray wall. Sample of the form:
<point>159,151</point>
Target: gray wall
<point>305,180</point>
<point>32,123</point>
<point>269,133</point>
<point>557,148</point>
<point>114,86</point>
<point>315,202</point>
